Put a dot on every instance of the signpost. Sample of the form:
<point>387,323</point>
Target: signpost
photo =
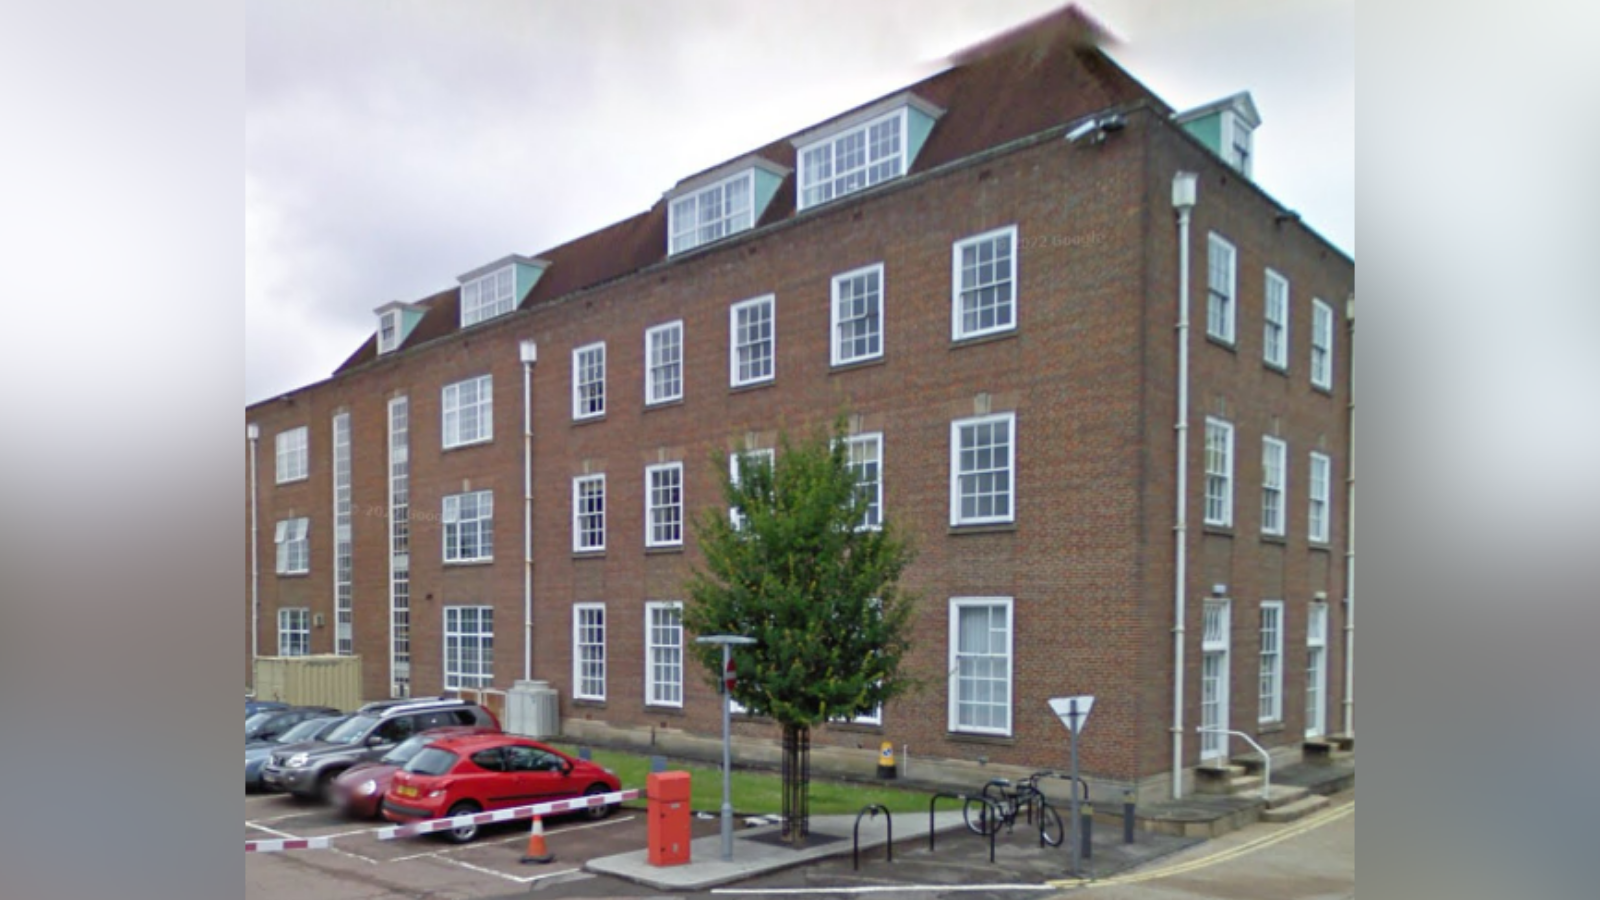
<point>1074,714</point>
<point>727,642</point>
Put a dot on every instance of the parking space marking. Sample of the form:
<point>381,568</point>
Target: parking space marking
<point>511,878</point>
<point>298,815</point>
<point>273,831</point>
<point>884,889</point>
<point>517,837</point>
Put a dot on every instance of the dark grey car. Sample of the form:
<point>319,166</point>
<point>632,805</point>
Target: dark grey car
<point>375,729</point>
<point>267,725</point>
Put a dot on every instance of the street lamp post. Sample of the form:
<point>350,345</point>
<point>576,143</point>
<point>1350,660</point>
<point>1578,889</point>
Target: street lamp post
<point>727,642</point>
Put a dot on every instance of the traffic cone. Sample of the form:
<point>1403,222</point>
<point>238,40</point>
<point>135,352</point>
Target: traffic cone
<point>537,852</point>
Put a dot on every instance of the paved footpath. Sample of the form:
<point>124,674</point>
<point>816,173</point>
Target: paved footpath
<point>1313,859</point>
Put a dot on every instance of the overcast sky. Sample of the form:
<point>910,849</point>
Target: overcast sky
<point>391,146</point>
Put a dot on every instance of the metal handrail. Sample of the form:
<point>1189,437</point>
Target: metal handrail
<point>1266,781</point>
<point>990,808</point>
<point>873,810</point>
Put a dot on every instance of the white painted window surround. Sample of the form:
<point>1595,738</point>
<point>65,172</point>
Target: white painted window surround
<point>981,634</point>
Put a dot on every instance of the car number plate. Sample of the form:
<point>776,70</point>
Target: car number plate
<point>407,791</point>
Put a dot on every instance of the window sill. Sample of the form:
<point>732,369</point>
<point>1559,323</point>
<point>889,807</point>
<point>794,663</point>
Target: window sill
<point>992,740</point>
<point>467,563</point>
<point>293,574</point>
<point>1319,546</point>
<point>1221,530</point>
<point>582,703</point>
<point>1278,539</point>
<point>961,343</point>
<point>468,445</point>
<point>752,386</point>
<point>1275,368</point>
<point>1319,389</point>
<point>673,550</point>
<point>1224,343</point>
<point>660,404</point>
<point>291,481</point>
<point>589,554</point>
<point>986,528</point>
<point>1273,727</point>
<point>589,420</point>
<point>838,367</point>
<point>674,711</point>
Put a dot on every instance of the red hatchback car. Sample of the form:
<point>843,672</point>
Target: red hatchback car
<point>358,791</point>
<point>479,773</point>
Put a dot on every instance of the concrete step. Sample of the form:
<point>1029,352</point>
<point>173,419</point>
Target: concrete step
<point>1345,742</point>
<point>1238,784</point>
<point>1282,795</point>
<point>1299,809</point>
<point>1252,765</point>
<point>1218,772</point>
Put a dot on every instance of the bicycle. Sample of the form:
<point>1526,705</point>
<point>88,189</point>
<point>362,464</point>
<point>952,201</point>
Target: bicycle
<point>1006,800</point>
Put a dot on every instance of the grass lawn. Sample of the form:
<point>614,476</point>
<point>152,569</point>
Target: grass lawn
<point>757,793</point>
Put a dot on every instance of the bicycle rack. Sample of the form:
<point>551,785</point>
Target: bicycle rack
<point>989,809</point>
<point>873,810</point>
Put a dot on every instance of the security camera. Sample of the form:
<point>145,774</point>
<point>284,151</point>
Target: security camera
<point>1111,123</point>
<point>1082,130</point>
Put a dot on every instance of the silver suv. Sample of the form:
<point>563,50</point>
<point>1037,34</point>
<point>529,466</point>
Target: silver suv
<point>374,729</point>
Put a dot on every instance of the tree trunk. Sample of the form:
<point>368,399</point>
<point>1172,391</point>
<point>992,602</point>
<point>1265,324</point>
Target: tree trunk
<point>796,782</point>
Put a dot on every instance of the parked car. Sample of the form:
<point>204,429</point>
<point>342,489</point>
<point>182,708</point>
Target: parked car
<point>251,707</point>
<point>268,724</point>
<point>256,754</point>
<point>358,792</point>
<point>464,775</point>
<point>366,736</point>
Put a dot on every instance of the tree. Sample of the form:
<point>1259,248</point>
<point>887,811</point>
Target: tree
<point>788,563</point>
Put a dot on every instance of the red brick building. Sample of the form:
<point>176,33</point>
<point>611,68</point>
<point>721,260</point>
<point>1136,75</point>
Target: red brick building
<point>984,268</point>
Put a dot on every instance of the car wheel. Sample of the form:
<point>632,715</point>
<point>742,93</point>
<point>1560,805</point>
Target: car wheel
<point>465,833</point>
<point>596,813</point>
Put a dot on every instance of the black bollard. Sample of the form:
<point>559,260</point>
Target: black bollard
<point>1128,821</point>
<point>1088,830</point>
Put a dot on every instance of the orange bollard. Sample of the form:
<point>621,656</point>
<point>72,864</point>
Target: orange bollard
<point>537,852</point>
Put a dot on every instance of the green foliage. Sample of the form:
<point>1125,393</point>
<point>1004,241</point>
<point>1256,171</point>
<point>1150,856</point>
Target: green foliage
<point>819,594</point>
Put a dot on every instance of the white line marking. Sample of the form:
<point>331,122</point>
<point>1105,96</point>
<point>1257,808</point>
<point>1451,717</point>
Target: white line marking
<point>366,859</point>
<point>511,878</point>
<point>274,832</point>
<point>299,815</point>
<point>883,889</point>
<point>513,838</point>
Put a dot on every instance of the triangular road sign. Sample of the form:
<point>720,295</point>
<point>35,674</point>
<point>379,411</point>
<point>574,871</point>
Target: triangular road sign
<point>1073,711</point>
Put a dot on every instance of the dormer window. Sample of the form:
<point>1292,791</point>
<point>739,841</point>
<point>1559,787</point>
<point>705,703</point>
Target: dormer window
<point>874,145</point>
<point>388,330</point>
<point>489,296</point>
<point>713,213</point>
<point>1227,127</point>
<point>1241,144</point>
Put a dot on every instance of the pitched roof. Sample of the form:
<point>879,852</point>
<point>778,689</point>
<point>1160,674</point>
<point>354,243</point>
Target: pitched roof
<point>1039,75</point>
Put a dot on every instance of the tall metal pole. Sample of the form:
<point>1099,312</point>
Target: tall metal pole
<point>529,353</point>
<point>253,432</point>
<point>1072,713</point>
<point>727,757</point>
<point>1183,200</point>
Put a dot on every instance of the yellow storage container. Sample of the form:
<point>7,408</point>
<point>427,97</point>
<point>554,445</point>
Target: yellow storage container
<point>310,680</point>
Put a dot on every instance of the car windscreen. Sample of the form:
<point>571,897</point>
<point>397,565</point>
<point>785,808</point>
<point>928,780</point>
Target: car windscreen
<point>408,748</point>
<point>252,724</point>
<point>432,761</point>
<point>351,731</point>
<point>305,731</point>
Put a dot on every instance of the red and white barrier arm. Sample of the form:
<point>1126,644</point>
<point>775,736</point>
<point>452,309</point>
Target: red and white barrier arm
<point>316,843</point>
<point>507,815</point>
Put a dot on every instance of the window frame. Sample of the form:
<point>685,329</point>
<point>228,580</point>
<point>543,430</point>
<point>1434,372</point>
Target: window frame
<point>835,342</point>
<point>388,319</point>
<point>477,311</point>
<point>577,514</point>
<point>957,312</point>
<point>578,651</point>
<point>771,302</point>
<point>1322,318</point>
<point>1230,300</point>
<point>851,443</point>
<point>303,630</point>
<point>956,518</point>
<point>452,520</point>
<point>1225,520</point>
<point>579,414</point>
<point>650,507</point>
<point>1277,448</point>
<point>770,454</point>
<point>954,688</point>
<point>650,647</point>
<point>1314,534</point>
<point>1280,322</point>
<point>483,637</point>
<point>725,223</point>
<point>292,463</point>
<point>651,398</point>
<point>289,533</point>
<point>450,405</point>
<point>804,166</point>
<point>1269,709</point>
